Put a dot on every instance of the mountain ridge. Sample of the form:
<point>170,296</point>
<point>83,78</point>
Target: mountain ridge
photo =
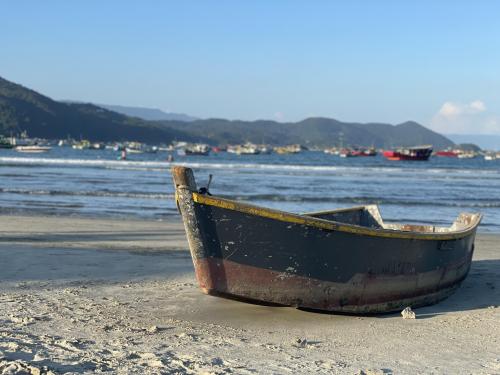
<point>23,109</point>
<point>145,113</point>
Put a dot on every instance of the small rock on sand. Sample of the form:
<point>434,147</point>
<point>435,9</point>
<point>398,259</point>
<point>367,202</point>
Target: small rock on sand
<point>152,329</point>
<point>374,372</point>
<point>300,342</point>
<point>408,313</point>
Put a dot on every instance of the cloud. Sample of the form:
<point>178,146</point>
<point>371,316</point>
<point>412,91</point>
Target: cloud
<point>469,118</point>
<point>279,116</point>
<point>450,109</point>
<point>477,106</point>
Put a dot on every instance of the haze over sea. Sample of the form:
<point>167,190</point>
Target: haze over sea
<point>95,184</point>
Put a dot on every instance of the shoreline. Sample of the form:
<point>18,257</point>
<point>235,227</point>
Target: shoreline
<point>175,218</point>
<point>84,295</point>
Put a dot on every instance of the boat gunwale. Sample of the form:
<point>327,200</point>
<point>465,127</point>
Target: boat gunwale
<point>338,210</point>
<point>335,225</point>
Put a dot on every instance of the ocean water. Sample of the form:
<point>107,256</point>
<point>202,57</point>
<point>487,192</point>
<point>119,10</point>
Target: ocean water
<point>67,182</point>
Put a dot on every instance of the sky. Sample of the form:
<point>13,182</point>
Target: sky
<point>434,62</point>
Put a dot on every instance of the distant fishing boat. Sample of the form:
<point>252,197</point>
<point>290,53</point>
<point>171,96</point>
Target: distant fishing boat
<point>5,143</point>
<point>134,148</point>
<point>264,150</point>
<point>347,153</point>
<point>246,149</point>
<point>82,145</point>
<point>489,157</point>
<point>33,149</point>
<point>368,152</point>
<point>331,151</point>
<point>353,152</point>
<point>345,260</point>
<point>197,149</point>
<point>448,153</point>
<point>97,146</point>
<point>467,155</point>
<point>290,149</point>
<point>420,153</point>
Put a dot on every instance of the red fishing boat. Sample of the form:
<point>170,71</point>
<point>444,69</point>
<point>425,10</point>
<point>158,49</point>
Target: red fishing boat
<point>409,153</point>
<point>448,153</point>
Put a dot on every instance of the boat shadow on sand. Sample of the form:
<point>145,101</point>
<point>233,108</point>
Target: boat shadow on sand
<point>481,289</point>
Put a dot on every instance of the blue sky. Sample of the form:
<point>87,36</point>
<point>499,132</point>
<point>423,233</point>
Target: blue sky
<point>436,62</point>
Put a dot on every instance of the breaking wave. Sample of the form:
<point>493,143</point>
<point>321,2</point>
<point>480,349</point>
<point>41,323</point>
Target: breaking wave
<point>303,167</point>
<point>89,193</point>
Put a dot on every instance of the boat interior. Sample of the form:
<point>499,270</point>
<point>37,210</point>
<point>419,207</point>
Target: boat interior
<point>369,216</point>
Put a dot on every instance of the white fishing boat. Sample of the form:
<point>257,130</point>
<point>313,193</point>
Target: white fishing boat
<point>33,149</point>
<point>246,149</point>
<point>82,145</point>
<point>467,155</point>
<point>489,157</point>
<point>197,149</point>
<point>134,148</point>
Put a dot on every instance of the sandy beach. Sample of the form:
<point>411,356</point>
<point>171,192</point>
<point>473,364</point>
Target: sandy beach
<point>119,296</point>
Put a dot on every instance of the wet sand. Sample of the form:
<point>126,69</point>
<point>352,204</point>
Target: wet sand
<point>88,295</point>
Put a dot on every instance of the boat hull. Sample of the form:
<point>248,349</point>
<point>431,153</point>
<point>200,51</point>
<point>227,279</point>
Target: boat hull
<point>409,154</point>
<point>251,253</point>
<point>448,154</point>
<point>233,280</point>
<point>393,155</point>
<point>262,259</point>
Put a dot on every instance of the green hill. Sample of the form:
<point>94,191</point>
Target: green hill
<point>316,131</point>
<point>22,109</point>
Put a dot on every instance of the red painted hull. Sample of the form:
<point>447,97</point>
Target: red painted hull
<point>449,154</point>
<point>396,155</point>
<point>233,280</point>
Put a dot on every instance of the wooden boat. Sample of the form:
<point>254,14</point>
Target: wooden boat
<point>420,153</point>
<point>343,260</point>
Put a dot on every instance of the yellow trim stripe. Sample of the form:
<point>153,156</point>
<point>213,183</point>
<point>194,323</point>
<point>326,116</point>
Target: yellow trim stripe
<point>324,224</point>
